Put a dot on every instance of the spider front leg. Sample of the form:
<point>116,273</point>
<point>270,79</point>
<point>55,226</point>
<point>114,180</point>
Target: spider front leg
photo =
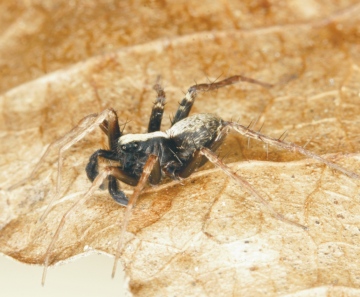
<point>98,181</point>
<point>85,126</point>
<point>63,144</point>
<point>151,167</point>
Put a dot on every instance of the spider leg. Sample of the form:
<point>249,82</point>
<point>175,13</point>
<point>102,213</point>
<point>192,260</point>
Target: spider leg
<point>85,122</point>
<point>95,185</point>
<point>245,131</point>
<point>111,173</point>
<point>113,130</point>
<point>158,109</point>
<point>147,171</point>
<point>198,159</point>
<point>194,163</point>
<point>217,162</point>
<point>189,99</point>
<point>104,126</point>
<point>229,81</point>
<point>155,175</point>
<point>185,106</point>
<point>85,126</point>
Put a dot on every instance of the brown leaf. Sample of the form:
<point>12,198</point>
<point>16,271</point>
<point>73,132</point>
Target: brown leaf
<point>204,236</point>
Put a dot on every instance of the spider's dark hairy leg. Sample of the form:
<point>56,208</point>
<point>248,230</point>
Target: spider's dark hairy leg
<point>155,175</point>
<point>148,169</point>
<point>185,106</point>
<point>217,162</point>
<point>245,131</point>
<point>113,130</point>
<point>158,109</point>
<point>195,162</point>
<point>104,127</point>
<point>198,159</point>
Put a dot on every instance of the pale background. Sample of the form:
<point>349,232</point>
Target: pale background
<point>87,276</point>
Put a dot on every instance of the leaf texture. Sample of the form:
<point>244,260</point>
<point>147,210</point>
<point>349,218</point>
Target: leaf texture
<point>204,236</point>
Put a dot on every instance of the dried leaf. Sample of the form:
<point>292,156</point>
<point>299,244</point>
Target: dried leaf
<point>205,235</point>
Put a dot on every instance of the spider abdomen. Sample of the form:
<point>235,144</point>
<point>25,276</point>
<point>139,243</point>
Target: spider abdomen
<point>193,133</point>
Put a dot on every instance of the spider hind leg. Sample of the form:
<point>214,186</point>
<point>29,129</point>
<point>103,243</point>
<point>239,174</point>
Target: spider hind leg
<point>242,182</point>
<point>247,132</point>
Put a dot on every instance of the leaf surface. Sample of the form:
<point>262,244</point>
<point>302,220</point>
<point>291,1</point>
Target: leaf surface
<point>204,236</point>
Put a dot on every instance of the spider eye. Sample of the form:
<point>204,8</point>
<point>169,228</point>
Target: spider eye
<point>130,147</point>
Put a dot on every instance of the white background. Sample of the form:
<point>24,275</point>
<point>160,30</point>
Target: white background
<point>85,276</point>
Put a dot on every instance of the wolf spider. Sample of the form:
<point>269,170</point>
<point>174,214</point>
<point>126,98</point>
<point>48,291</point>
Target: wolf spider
<point>176,153</point>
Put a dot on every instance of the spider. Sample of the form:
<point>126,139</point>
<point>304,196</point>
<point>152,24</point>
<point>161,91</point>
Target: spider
<point>176,153</point>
